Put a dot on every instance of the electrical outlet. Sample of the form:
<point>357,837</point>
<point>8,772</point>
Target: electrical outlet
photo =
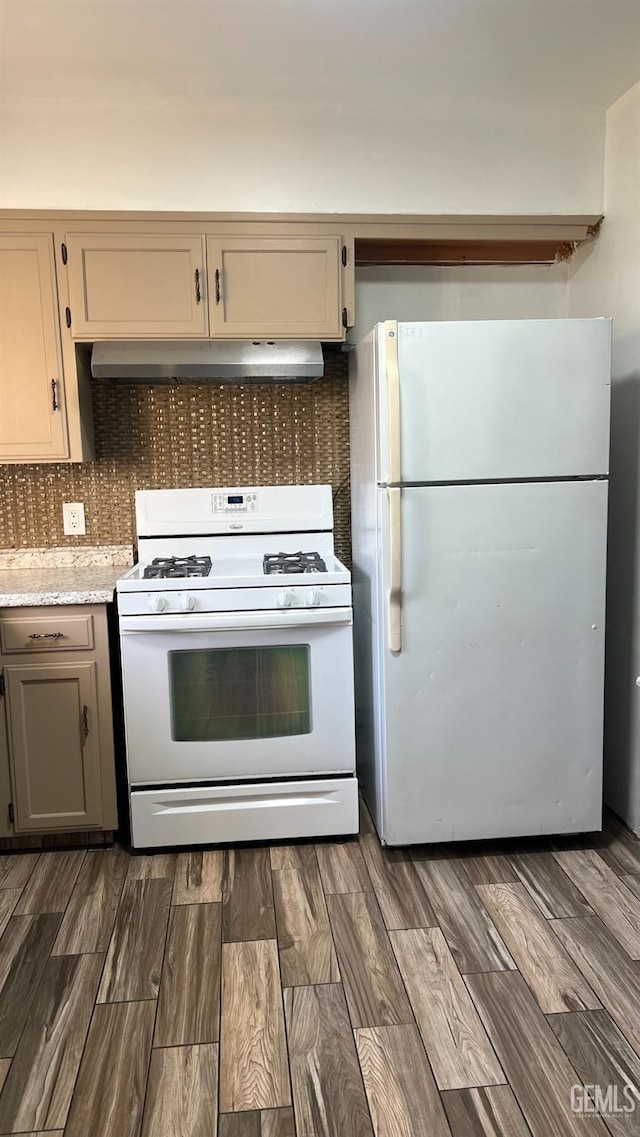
<point>73,521</point>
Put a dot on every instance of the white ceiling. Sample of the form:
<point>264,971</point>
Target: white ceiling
<point>432,56</point>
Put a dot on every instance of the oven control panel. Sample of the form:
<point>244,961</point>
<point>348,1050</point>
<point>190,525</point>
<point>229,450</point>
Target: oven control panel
<point>190,604</point>
<point>299,597</point>
<point>233,503</point>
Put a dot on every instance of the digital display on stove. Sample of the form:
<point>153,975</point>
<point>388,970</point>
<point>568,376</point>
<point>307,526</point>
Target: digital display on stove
<point>235,499</point>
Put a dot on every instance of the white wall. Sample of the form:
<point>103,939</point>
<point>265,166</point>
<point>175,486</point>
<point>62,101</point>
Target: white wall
<point>469,293</point>
<point>229,156</point>
<point>605,280</point>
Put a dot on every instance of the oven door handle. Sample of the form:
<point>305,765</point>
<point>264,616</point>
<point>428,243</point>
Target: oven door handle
<point>236,621</point>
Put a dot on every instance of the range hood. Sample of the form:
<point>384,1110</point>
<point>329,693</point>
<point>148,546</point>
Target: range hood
<point>230,361</point>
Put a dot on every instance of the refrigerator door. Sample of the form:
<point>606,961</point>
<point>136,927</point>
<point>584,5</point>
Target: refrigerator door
<point>482,400</point>
<point>489,721</point>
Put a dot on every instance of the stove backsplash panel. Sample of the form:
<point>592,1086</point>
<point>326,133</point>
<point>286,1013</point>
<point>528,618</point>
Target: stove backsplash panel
<point>191,435</point>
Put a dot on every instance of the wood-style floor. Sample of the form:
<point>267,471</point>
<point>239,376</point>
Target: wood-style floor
<point>327,990</point>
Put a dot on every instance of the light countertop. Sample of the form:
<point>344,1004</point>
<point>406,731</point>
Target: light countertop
<point>29,579</point>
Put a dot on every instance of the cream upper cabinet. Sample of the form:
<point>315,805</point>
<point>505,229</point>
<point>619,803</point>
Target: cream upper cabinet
<point>33,424</point>
<point>136,287</point>
<point>284,287</point>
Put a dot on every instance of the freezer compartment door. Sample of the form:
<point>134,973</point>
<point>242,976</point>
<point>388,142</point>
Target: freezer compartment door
<point>495,400</point>
<point>492,721</point>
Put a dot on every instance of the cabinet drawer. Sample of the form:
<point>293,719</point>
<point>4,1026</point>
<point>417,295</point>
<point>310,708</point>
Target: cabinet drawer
<point>46,633</point>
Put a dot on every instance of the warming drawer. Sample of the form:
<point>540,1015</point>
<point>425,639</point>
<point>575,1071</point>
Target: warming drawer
<point>273,811</point>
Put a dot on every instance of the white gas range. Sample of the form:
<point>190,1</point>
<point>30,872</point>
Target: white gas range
<point>237,662</point>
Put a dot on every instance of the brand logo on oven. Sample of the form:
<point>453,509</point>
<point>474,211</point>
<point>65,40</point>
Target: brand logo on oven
<point>236,526</point>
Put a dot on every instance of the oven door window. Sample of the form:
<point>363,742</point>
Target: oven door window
<point>224,694</point>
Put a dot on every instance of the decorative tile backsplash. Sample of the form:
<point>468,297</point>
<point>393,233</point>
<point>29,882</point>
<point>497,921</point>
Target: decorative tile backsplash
<point>153,437</point>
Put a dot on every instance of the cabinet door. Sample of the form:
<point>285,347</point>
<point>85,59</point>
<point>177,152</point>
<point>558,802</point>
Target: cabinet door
<point>136,287</point>
<point>54,746</point>
<point>32,414</point>
<point>6,796</point>
<point>285,287</point>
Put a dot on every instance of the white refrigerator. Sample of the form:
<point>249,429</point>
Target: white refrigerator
<point>480,454</point>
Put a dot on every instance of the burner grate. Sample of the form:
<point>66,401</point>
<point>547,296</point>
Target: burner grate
<point>283,563</point>
<point>167,568</point>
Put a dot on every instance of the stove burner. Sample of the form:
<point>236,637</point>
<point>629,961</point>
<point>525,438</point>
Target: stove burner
<point>163,568</point>
<point>283,563</point>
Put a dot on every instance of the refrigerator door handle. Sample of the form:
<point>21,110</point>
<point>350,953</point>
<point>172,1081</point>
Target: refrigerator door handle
<point>395,477</point>
<point>395,570</point>
<point>393,401</point>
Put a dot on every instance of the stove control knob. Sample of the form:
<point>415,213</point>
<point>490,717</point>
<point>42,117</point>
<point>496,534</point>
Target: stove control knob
<point>312,598</point>
<point>284,598</point>
<point>157,603</point>
<point>187,603</point>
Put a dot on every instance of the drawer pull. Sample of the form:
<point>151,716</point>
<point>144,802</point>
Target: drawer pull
<point>85,721</point>
<point>46,636</point>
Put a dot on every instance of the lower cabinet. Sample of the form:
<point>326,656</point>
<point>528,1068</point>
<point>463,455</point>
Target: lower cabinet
<point>53,745</point>
<point>58,725</point>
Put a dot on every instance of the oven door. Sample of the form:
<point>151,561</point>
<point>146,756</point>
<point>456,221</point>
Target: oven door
<point>238,695</point>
